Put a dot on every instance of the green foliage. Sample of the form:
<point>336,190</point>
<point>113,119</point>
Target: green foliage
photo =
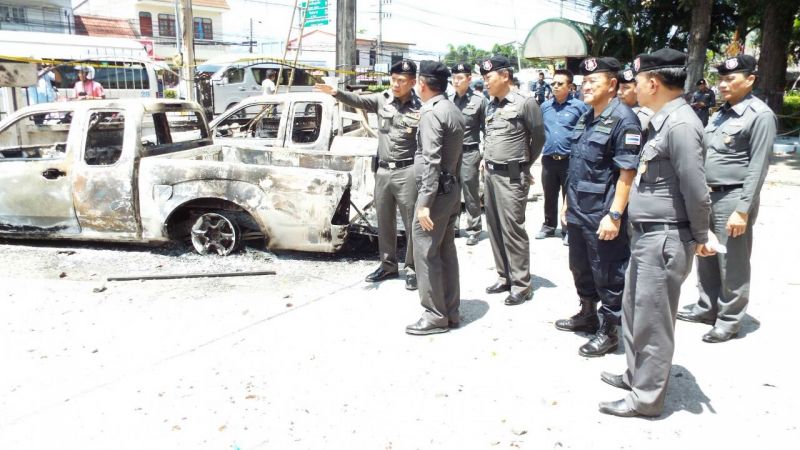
<point>790,119</point>
<point>377,88</point>
<point>170,93</point>
<point>471,54</point>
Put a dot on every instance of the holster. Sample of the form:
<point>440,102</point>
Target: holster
<point>514,171</point>
<point>447,183</point>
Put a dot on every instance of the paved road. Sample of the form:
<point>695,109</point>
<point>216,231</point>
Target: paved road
<point>314,358</point>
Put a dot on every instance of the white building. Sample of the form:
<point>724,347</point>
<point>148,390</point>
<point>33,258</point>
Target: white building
<point>52,16</point>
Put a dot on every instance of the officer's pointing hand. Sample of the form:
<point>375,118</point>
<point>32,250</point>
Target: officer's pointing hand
<point>324,88</point>
<point>424,218</point>
<point>609,229</point>
<point>737,224</point>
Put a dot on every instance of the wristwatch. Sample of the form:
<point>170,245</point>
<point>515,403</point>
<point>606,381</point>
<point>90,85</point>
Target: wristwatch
<point>615,215</point>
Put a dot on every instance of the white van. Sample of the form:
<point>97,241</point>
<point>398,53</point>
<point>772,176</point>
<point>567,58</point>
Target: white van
<point>222,85</point>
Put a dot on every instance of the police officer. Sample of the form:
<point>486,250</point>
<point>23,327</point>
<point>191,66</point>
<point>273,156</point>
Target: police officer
<point>398,112</point>
<point>738,141</point>
<point>513,140</point>
<point>560,114</point>
<point>627,94</point>
<point>601,168</point>
<point>702,100</point>
<point>668,210</point>
<point>473,107</point>
<point>439,146</point>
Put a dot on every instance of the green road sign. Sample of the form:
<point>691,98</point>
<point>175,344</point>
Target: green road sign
<point>317,22</point>
<point>316,13</point>
<point>315,4</point>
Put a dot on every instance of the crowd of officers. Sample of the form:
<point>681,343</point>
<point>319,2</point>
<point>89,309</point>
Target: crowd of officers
<point>647,185</point>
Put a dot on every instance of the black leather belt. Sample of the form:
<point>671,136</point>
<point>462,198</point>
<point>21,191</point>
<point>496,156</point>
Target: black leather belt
<point>729,187</point>
<point>470,147</point>
<point>558,157</point>
<point>391,165</point>
<point>503,167</point>
<point>647,227</point>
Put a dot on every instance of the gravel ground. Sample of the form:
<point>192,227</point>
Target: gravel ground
<point>314,358</point>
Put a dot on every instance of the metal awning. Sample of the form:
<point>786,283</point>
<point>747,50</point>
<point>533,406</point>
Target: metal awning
<point>555,38</point>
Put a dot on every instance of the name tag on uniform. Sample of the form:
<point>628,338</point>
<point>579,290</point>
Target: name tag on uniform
<point>602,129</point>
<point>633,139</point>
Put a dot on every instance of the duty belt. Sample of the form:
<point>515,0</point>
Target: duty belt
<point>470,147</point>
<point>647,227</point>
<point>502,168</point>
<point>391,165</point>
<point>558,157</point>
<point>729,187</point>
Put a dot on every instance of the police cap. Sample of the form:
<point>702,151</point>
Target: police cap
<point>626,76</point>
<point>496,62</point>
<point>461,67</point>
<point>598,65</point>
<point>405,66</point>
<point>664,58</point>
<point>741,63</point>
<point>434,69</point>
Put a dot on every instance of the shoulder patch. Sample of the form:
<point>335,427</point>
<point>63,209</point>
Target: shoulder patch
<point>633,138</point>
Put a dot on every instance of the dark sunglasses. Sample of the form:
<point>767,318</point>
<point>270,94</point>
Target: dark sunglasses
<point>557,83</point>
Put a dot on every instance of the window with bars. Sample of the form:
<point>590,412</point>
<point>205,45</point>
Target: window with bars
<point>166,25</point>
<point>203,28</point>
<point>145,24</point>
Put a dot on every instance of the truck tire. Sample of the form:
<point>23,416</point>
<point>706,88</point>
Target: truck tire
<point>216,232</point>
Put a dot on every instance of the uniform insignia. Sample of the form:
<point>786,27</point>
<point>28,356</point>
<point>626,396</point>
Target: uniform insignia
<point>406,67</point>
<point>628,75</point>
<point>633,139</point>
<point>604,130</point>
<point>590,64</point>
<point>636,64</point>
<point>460,67</point>
<point>732,63</point>
<point>487,65</point>
<point>728,140</point>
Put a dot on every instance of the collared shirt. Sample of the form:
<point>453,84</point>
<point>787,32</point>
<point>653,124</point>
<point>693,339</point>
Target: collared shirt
<point>439,146</point>
<point>397,133</point>
<point>738,141</point>
<point>43,91</point>
<point>670,186</point>
<point>559,122</point>
<point>601,146</point>
<point>644,114</point>
<point>706,97</point>
<point>514,129</point>
<point>540,89</point>
<point>473,107</point>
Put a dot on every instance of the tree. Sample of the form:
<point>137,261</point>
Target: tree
<point>471,54</point>
<point>698,41</point>
<point>776,32</point>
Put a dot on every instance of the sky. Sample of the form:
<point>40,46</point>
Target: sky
<point>431,25</point>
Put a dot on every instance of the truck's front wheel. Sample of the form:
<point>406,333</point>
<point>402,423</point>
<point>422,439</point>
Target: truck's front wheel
<point>216,232</point>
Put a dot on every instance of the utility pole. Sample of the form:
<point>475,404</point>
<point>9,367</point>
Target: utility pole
<point>187,48</point>
<point>380,33</point>
<point>346,40</point>
<point>251,35</point>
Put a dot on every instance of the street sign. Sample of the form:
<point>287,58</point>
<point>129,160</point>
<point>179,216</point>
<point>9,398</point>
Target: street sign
<point>316,13</point>
<point>313,4</point>
<point>317,22</point>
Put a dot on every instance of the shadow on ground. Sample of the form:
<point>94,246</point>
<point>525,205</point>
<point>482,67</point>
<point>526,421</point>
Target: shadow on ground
<point>684,394</point>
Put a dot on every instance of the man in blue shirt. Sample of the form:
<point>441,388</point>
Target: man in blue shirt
<point>540,88</point>
<point>560,113</point>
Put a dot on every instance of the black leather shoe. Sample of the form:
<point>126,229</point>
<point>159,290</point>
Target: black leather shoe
<point>618,408</point>
<point>614,380</point>
<point>498,288</point>
<point>517,298</point>
<point>605,341</point>
<point>691,316</point>
<point>585,319</point>
<point>472,239</point>
<point>545,234</point>
<point>717,335</point>
<point>411,282</point>
<point>380,275</point>
<point>453,323</point>
<point>423,327</point>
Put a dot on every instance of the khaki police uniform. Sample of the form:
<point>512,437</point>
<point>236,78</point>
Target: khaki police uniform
<point>473,107</point>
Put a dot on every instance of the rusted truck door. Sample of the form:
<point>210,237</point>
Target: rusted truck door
<point>104,192</point>
<point>35,176</point>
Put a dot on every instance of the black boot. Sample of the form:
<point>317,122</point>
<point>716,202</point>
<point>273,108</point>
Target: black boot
<point>585,320</point>
<point>605,341</point>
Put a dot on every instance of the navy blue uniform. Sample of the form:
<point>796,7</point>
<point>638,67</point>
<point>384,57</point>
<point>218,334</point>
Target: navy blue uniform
<point>601,146</point>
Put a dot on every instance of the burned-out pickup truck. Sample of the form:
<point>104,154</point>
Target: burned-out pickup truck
<point>148,171</point>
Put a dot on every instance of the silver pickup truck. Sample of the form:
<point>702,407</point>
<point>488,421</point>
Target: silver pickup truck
<point>148,171</point>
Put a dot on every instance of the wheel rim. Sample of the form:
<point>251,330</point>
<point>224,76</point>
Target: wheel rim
<point>214,233</point>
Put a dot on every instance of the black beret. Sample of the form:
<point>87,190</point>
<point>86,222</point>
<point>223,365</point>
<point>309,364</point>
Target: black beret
<point>496,62</point>
<point>479,84</point>
<point>741,63</point>
<point>461,67</point>
<point>433,69</point>
<point>598,65</point>
<point>626,76</point>
<point>700,81</point>
<point>664,58</point>
<point>405,66</point>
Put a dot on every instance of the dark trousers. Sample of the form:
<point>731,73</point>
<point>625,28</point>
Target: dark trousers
<point>395,189</point>
<point>554,184</point>
<point>598,268</point>
<point>505,203</point>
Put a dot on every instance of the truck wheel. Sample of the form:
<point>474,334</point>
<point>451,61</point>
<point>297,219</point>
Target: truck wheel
<point>216,232</point>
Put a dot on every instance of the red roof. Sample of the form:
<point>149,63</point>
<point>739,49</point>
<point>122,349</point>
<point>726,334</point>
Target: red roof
<point>103,26</point>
